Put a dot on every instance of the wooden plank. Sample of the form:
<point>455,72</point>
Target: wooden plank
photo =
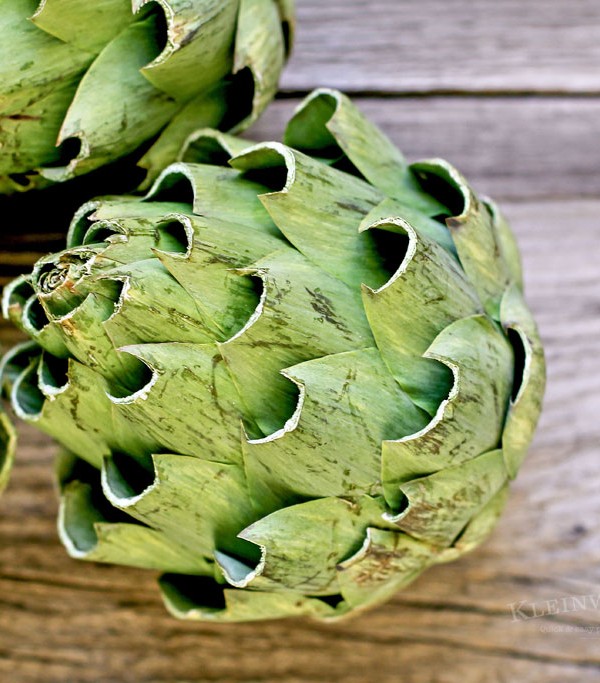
<point>433,45</point>
<point>507,147</point>
<point>66,621</point>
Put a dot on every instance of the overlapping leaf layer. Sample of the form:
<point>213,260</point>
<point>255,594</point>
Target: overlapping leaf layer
<point>84,83</point>
<point>291,378</point>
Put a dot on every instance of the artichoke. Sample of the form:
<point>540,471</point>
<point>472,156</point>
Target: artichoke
<point>84,83</point>
<point>291,378</point>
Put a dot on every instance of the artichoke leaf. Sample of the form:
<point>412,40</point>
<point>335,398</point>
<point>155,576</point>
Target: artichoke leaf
<point>325,448</point>
<point>200,599</point>
<point>208,146</point>
<point>289,537</point>
<point>474,234</point>
<point>220,193</point>
<point>301,315</point>
<point>113,116</point>
<point>32,63</point>
<point>63,19</point>
<point>526,406</point>
<point>21,305</point>
<point>507,242</point>
<point>478,528</point>
<point>197,54</point>
<point>205,109</point>
<point>130,240</point>
<point>148,285</point>
<point>14,298</point>
<point>259,47</point>
<point>205,270</point>
<point>157,412</point>
<point>111,209</point>
<point>88,535</point>
<point>246,573</point>
<point>288,21</point>
<point>8,443</point>
<point>427,292</point>
<point>28,133</point>
<point>39,76</point>
<point>423,224</point>
<point>181,484</point>
<point>386,562</point>
<point>15,361</point>
<point>328,125</point>
<point>77,414</point>
<point>470,421</point>
<point>82,335</point>
<point>437,508</point>
<point>318,209</point>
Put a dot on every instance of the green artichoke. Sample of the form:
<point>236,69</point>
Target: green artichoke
<point>291,378</point>
<point>83,83</point>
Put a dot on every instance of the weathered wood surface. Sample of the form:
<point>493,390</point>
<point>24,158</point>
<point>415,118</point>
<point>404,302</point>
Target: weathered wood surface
<point>65,621</point>
<point>399,46</point>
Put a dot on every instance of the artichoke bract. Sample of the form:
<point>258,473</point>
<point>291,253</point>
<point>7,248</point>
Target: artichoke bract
<point>7,449</point>
<point>291,378</point>
<point>84,83</point>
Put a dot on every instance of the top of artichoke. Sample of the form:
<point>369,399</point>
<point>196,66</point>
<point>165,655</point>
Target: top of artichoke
<point>85,83</point>
<point>291,377</point>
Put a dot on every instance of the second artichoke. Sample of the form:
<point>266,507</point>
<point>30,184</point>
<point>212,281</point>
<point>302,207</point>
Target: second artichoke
<point>83,83</point>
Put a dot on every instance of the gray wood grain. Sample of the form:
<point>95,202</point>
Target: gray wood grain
<point>432,45</point>
<point>62,620</point>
